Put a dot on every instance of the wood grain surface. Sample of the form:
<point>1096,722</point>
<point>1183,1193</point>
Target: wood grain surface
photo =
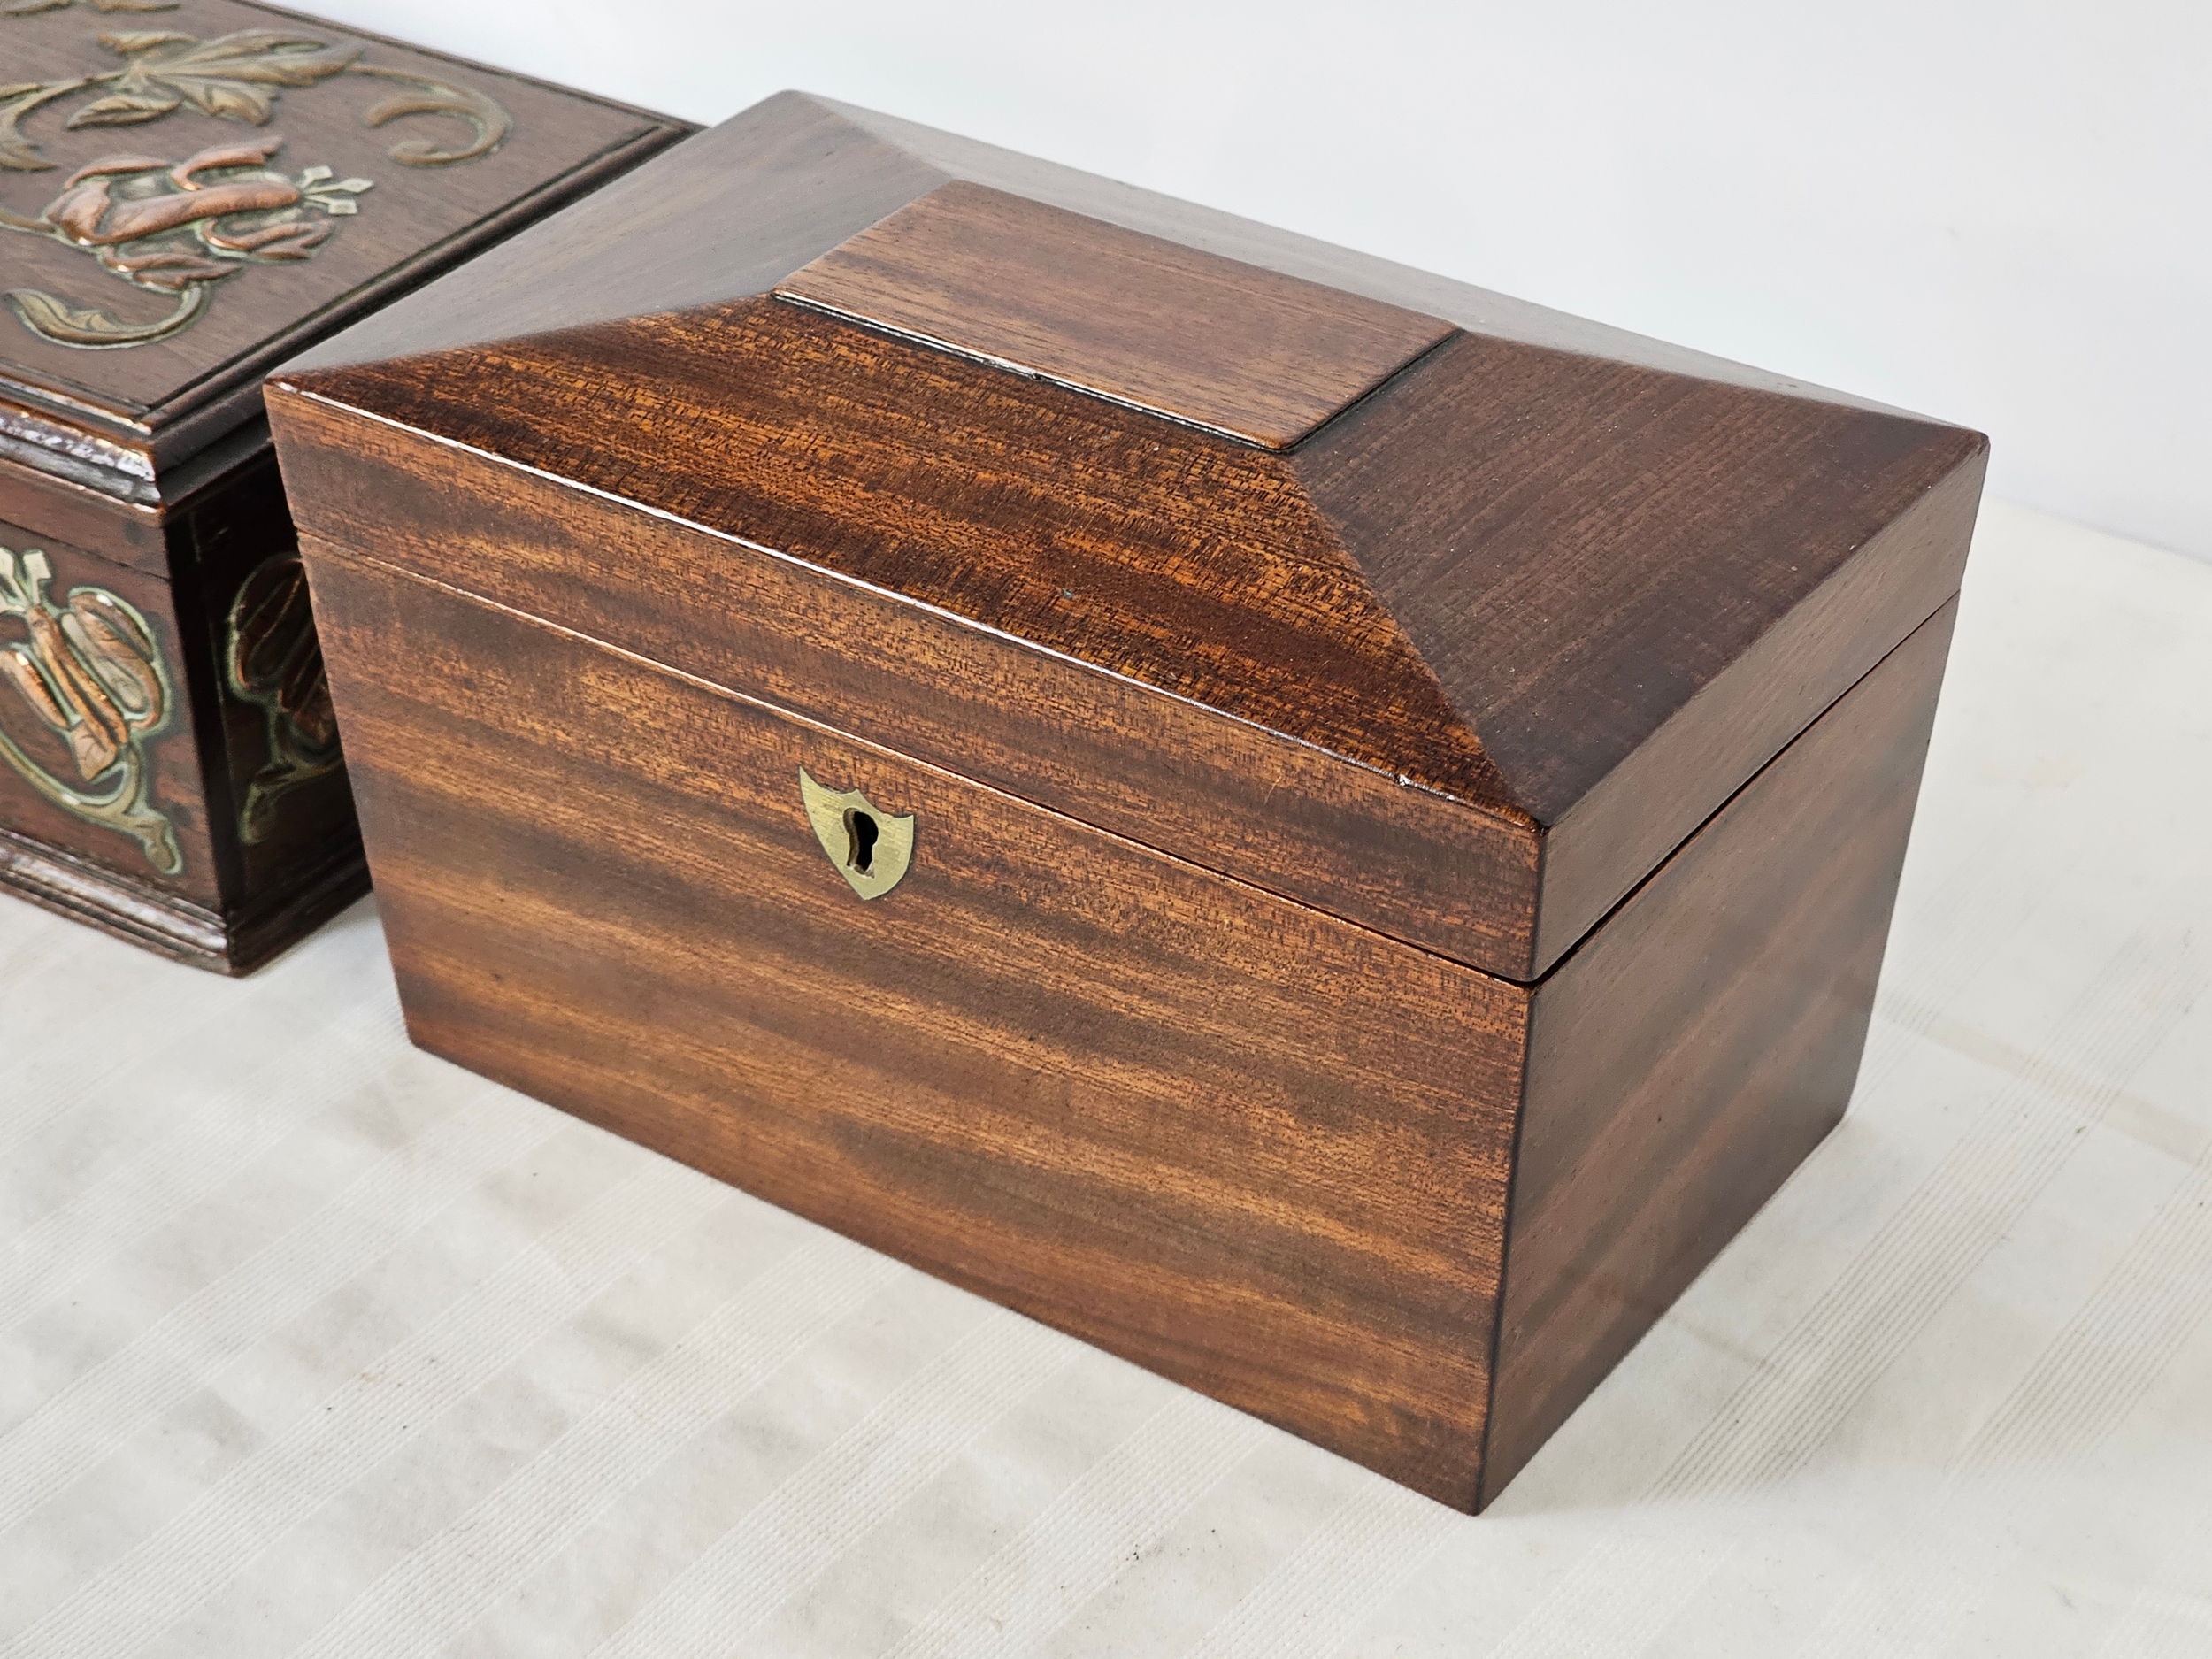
<point>1244,1143</point>
<point>1633,586</point>
<point>1223,1134</point>
<point>1143,321</point>
<point>1685,1058</point>
<point>1180,772</point>
<point>1374,594</point>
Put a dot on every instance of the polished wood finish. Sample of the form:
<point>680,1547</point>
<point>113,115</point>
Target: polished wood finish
<point>1238,1140</point>
<point>1057,726</point>
<point>1248,351</point>
<point>1382,910</point>
<point>1689,1053</point>
<point>145,470</point>
<point>1245,1143</point>
<point>1501,579</point>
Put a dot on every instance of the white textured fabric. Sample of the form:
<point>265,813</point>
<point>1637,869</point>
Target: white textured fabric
<point>312,1344</point>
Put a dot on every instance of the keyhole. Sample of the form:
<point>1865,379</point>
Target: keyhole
<point>860,840</point>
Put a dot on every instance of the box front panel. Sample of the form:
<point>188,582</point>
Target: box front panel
<point>1235,1139</point>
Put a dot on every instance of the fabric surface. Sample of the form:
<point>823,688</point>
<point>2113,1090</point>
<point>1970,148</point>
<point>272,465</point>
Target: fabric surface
<point>312,1344</point>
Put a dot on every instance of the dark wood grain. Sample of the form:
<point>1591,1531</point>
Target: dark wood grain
<point>1690,1053</point>
<point>1243,349</point>
<point>1182,772</point>
<point>1244,1143</point>
<point>1637,587</point>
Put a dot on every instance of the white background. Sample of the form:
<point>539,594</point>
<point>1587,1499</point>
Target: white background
<point>1996,211</point>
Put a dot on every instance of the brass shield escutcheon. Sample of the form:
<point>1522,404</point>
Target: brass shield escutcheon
<point>872,850</point>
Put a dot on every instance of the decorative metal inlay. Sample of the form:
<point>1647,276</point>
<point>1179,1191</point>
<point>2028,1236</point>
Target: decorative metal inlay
<point>273,660</point>
<point>91,675</point>
<point>177,228</point>
<point>872,850</point>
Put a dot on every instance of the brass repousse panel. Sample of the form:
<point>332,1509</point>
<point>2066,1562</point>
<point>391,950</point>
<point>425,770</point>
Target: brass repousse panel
<point>86,668</point>
<point>181,182</point>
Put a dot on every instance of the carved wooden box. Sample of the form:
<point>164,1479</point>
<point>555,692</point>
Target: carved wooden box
<point>188,194</point>
<point>1327,831</point>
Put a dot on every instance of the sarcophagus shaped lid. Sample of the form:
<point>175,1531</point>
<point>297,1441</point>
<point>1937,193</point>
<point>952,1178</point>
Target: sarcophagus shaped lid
<point>1444,612</point>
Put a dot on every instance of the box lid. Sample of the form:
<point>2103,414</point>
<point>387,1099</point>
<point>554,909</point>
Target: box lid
<point>1445,613</point>
<point>191,192</point>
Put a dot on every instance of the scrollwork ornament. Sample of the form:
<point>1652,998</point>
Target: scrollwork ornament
<point>176,229</point>
<point>90,671</point>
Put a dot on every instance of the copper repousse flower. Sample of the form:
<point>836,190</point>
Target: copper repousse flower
<point>126,210</point>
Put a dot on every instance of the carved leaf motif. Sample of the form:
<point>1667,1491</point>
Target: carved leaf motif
<point>121,109</point>
<point>90,327</point>
<point>50,317</point>
<point>136,5</point>
<point>28,8</point>
<point>492,123</point>
<point>110,641</point>
<point>169,269</point>
<point>17,670</point>
<point>16,152</point>
<point>129,41</point>
<point>235,103</point>
<point>261,55</point>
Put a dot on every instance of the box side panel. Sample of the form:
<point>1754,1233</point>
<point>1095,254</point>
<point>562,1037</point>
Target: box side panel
<point>275,771</point>
<point>1165,771</point>
<point>1234,1140</point>
<point>1692,1051</point>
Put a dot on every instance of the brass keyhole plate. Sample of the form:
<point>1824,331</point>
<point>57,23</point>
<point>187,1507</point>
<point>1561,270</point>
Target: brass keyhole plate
<point>872,850</point>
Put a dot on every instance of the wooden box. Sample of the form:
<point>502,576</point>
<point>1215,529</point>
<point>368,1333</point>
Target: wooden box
<point>1325,831</point>
<point>189,193</point>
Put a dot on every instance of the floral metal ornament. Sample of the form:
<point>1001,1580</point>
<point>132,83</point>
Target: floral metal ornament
<point>90,674</point>
<point>176,230</point>
<point>273,660</point>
